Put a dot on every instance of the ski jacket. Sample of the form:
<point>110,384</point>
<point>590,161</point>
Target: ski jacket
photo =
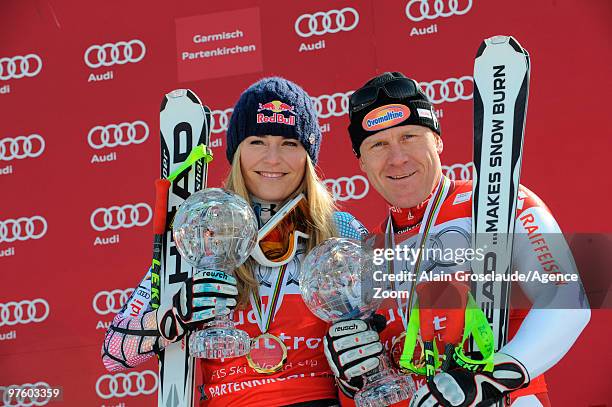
<point>539,336</point>
<point>133,338</point>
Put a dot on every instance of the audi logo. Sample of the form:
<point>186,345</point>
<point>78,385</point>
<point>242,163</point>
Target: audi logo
<point>21,147</point>
<point>127,384</point>
<point>220,120</point>
<point>119,53</point>
<point>110,302</point>
<point>419,10</point>
<point>116,217</point>
<point>326,22</point>
<point>462,172</point>
<point>20,66</point>
<point>22,229</point>
<point>449,90</point>
<point>335,105</point>
<point>345,188</point>
<point>23,312</point>
<point>122,134</point>
<point>26,396</point>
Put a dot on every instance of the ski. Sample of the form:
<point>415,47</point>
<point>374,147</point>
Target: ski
<point>501,87</point>
<point>184,124</point>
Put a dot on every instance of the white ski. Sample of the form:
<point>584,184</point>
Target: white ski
<point>184,124</point>
<point>501,86</point>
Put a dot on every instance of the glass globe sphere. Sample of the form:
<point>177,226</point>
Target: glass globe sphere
<point>336,280</point>
<point>215,229</point>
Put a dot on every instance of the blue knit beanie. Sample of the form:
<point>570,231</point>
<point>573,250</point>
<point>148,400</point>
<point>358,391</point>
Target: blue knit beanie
<point>277,107</point>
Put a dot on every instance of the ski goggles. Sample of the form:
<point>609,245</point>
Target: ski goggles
<point>399,88</point>
<point>284,221</point>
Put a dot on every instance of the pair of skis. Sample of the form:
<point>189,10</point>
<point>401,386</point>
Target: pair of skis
<point>185,134</point>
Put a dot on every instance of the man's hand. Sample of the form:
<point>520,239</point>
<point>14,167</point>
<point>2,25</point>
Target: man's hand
<point>459,387</point>
<point>352,349</point>
<point>196,303</point>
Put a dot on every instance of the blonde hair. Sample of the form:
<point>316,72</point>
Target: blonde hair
<point>319,221</point>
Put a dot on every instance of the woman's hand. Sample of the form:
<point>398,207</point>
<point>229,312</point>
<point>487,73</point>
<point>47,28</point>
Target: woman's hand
<point>200,300</point>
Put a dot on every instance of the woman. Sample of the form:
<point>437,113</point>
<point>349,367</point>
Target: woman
<point>272,144</point>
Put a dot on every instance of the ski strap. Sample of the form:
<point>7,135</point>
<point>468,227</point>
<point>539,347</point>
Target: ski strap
<point>476,325</point>
<point>197,153</point>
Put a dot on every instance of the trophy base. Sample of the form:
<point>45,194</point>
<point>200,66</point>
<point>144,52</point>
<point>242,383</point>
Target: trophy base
<point>219,341</point>
<point>384,389</point>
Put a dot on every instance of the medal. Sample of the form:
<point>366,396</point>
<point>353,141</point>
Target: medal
<point>268,354</point>
<point>397,348</point>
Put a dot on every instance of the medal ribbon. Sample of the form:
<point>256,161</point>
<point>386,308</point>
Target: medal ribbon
<point>430,216</point>
<point>264,315</point>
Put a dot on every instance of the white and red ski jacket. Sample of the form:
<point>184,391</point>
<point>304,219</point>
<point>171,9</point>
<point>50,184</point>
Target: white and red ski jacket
<point>540,336</point>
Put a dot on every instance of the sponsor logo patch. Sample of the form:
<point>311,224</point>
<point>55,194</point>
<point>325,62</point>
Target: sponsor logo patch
<point>277,108</point>
<point>462,197</point>
<point>385,116</point>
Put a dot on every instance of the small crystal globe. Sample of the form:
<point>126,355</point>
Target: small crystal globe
<point>336,280</point>
<point>215,229</point>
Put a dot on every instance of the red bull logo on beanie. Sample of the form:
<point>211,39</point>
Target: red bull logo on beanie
<point>277,108</point>
<point>385,116</point>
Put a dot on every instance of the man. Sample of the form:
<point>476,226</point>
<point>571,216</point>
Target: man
<point>397,139</point>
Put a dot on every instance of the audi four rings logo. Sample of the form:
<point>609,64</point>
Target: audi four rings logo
<point>458,171</point>
<point>111,302</point>
<point>116,217</point>
<point>122,134</point>
<point>449,90</point>
<point>20,66</point>
<point>127,384</point>
<point>23,399</point>
<point>220,120</point>
<point>17,148</point>
<point>23,312</point>
<point>345,188</point>
<point>419,10</point>
<point>335,105</point>
<point>326,22</point>
<point>22,229</point>
<point>119,53</point>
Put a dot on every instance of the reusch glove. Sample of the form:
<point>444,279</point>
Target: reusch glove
<point>459,387</point>
<point>196,302</point>
<point>352,348</point>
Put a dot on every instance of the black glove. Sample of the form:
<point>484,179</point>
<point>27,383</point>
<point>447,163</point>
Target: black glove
<point>195,303</point>
<point>352,348</point>
<point>459,387</point>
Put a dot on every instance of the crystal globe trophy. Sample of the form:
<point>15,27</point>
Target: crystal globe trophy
<point>336,283</point>
<point>216,230</point>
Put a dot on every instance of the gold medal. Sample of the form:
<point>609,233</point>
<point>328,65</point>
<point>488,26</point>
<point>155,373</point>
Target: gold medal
<point>268,354</point>
<point>397,348</point>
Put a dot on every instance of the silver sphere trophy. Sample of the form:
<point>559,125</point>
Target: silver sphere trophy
<point>216,230</point>
<point>337,284</point>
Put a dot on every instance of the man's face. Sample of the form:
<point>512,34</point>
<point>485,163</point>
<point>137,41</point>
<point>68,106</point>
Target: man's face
<point>402,163</point>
